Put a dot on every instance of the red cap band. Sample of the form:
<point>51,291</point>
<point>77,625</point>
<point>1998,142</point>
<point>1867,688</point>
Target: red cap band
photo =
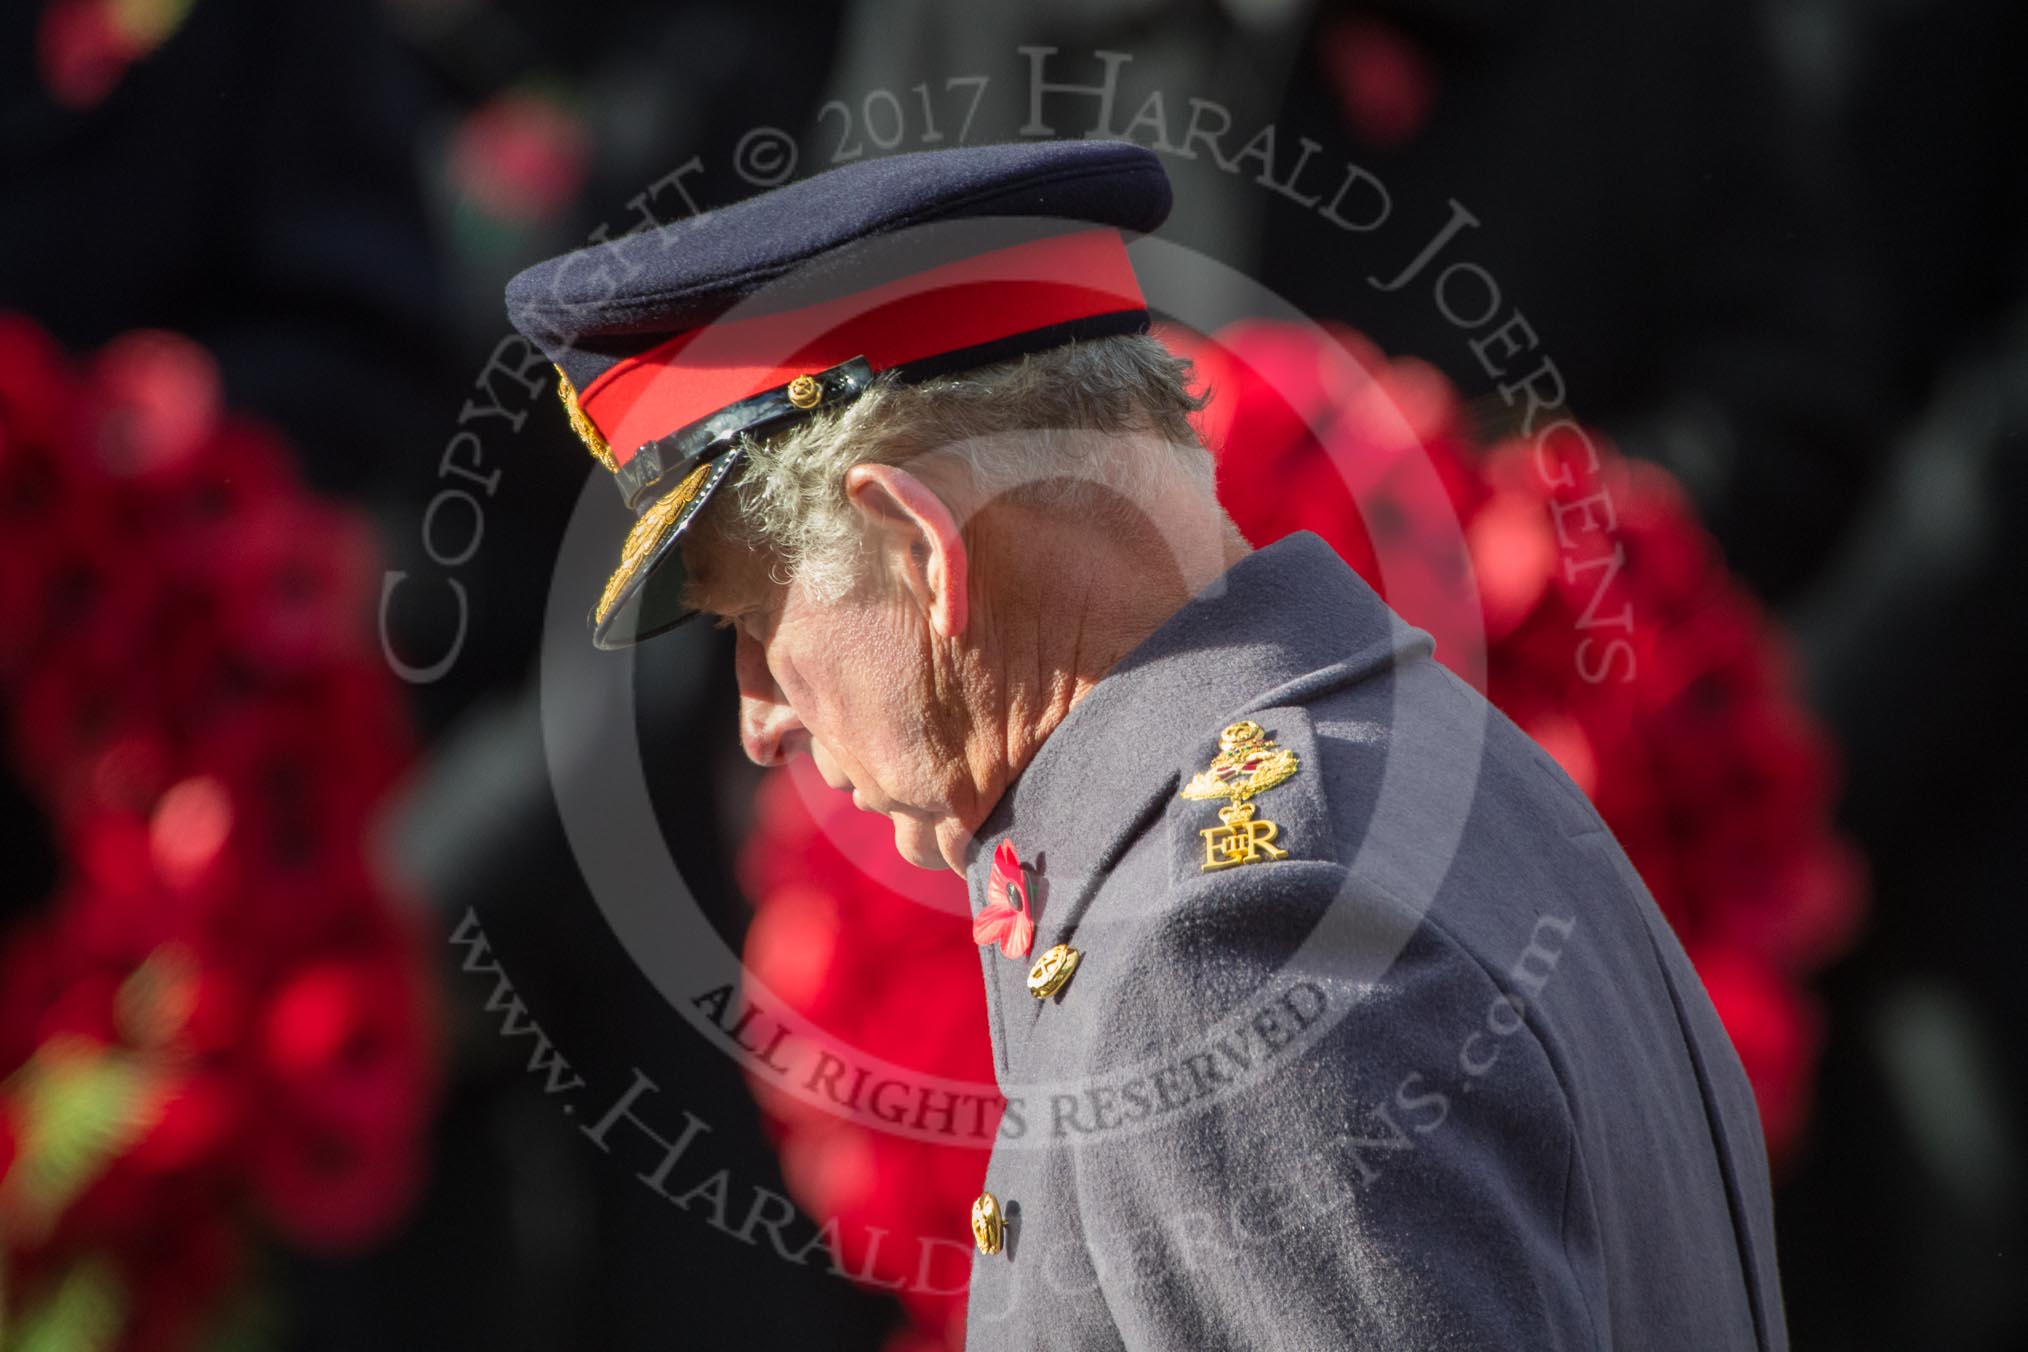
<point>953,306</point>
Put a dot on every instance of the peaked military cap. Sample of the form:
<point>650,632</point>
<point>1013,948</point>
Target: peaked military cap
<point>675,345</point>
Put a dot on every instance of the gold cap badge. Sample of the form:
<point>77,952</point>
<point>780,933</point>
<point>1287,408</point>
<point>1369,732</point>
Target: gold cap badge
<point>582,425</point>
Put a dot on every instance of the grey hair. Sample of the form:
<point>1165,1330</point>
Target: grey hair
<point>1089,426</point>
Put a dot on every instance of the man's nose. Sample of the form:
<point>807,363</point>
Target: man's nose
<point>769,730</point>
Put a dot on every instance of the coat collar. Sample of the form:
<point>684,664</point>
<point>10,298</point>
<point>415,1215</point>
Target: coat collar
<point>1278,627</point>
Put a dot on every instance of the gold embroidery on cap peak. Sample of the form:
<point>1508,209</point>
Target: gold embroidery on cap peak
<point>582,425</point>
<point>647,534</point>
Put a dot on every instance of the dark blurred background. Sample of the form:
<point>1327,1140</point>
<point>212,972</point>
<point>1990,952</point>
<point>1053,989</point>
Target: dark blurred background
<point>1777,246</point>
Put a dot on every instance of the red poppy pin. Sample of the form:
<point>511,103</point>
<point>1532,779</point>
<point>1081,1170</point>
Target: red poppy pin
<point>1001,921</point>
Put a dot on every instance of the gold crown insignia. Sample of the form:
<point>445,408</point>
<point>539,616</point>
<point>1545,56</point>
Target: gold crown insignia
<point>1248,762</point>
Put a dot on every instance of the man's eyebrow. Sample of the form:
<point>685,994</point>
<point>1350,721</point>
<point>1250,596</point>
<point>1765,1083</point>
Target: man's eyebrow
<point>697,591</point>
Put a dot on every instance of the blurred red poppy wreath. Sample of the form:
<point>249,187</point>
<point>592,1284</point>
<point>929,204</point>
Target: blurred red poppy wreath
<point>216,1028</point>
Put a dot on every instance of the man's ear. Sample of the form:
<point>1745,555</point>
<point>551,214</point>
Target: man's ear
<point>920,538</point>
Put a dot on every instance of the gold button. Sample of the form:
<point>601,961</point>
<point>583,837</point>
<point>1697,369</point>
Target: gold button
<point>988,1229</point>
<point>1052,970</point>
<point>804,392</point>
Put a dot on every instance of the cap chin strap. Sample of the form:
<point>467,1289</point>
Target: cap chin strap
<point>683,450</point>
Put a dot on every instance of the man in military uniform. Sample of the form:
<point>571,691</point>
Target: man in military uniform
<point>1333,1013</point>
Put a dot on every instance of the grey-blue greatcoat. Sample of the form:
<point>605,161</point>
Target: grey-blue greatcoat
<point>1441,1077</point>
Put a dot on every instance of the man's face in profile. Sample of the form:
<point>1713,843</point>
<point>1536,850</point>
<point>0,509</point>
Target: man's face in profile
<point>847,680</point>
